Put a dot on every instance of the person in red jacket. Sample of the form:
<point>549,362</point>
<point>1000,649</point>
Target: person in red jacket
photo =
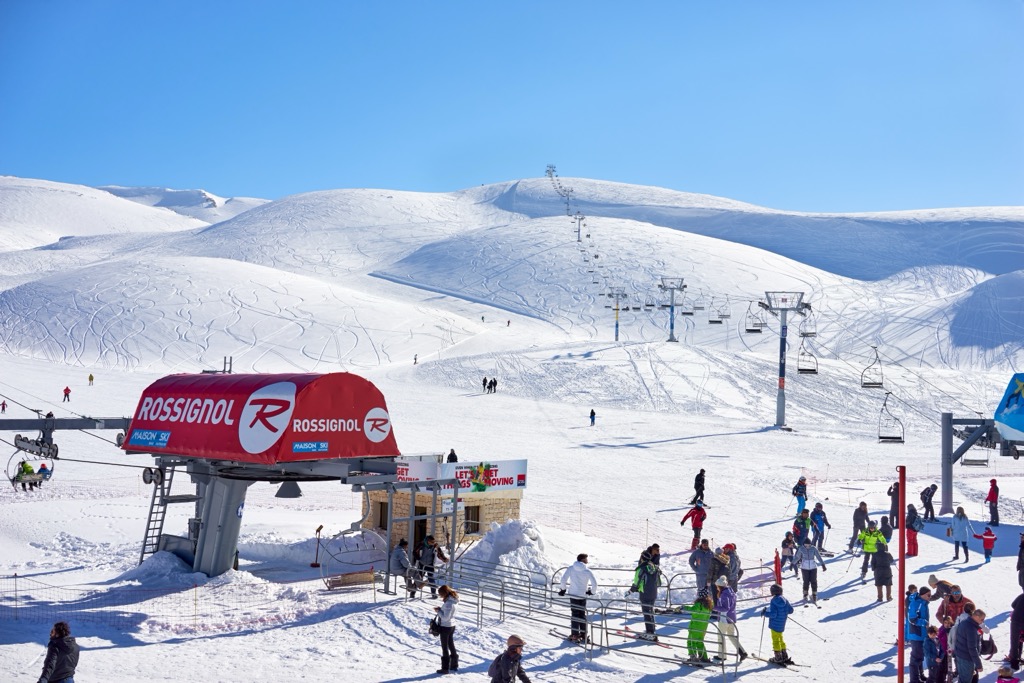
<point>67,394</point>
<point>988,541</point>
<point>993,503</point>
<point>696,515</point>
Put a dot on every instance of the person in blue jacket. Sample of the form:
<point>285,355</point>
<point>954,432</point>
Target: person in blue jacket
<point>778,611</point>
<point>820,522</point>
<point>917,625</point>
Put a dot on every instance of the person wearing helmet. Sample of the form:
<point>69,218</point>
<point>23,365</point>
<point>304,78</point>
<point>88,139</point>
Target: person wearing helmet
<point>808,558</point>
<point>800,491</point>
<point>819,522</point>
<point>778,611</point>
<point>507,666</point>
<point>696,515</point>
<point>869,540</point>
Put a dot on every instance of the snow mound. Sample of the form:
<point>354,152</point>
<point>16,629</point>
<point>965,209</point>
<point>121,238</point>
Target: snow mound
<point>516,544</point>
<point>163,569</point>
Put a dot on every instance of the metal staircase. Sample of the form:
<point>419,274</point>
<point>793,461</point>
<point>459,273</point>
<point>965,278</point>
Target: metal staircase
<point>161,479</point>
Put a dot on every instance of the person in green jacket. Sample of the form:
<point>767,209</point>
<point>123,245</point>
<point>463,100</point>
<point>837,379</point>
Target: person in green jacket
<point>700,616</point>
<point>869,540</point>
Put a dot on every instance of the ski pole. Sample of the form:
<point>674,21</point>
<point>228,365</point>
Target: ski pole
<point>808,630</point>
<point>855,556</point>
<point>786,511</point>
<point>760,643</point>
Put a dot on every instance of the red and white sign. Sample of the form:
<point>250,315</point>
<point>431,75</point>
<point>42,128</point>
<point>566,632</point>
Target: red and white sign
<point>263,419</point>
<point>475,476</point>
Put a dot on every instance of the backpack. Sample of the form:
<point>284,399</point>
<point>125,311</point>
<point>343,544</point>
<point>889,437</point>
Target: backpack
<point>918,524</point>
<point>493,670</point>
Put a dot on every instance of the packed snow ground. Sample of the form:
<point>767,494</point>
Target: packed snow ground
<point>491,282</point>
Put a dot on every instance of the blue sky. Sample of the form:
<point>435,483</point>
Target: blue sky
<point>811,106</point>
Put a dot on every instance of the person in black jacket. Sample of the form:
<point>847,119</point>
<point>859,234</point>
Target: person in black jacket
<point>1016,631</point>
<point>61,655</point>
<point>508,666</point>
<point>860,522</point>
<point>452,457</point>
<point>1020,563</point>
<point>926,500</point>
<point>881,564</point>
<point>698,487</point>
<point>894,505</point>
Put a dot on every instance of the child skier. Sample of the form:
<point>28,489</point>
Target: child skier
<point>778,611</point>
<point>700,617</point>
<point>788,552</point>
<point>988,541</point>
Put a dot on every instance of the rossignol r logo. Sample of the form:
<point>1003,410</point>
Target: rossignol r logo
<point>265,416</point>
<point>377,425</point>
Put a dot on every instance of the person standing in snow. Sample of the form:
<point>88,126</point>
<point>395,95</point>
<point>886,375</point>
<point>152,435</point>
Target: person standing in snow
<point>881,565</point>
<point>67,395</point>
<point>894,505</point>
<point>988,542</point>
<point>696,515</point>
<point>90,379</point>
<point>698,488</point>
<point>800,492</point>
<point>953,605</point>
<point>960,530</point>
<point>778,611</point>
<point>869,540</point>
<point>860,522</point>
<point>426,556</point>
<point>932,657</point>
<point>484,389</point>
<point>1020,562</point>
<point>452,457</point>
<point>967,648</point>
<point>700,617</point>
<point>886,529</point>
<point>445,614</point>
<point>580,582</point>
<point>3,407</point>
<point>646,580</point>
<point>993,503</point>
<point>808,558</point>
<point>914,525</point>
<point>593,417</point>
<point>788,546</point>
<point>719,568</point>
<point>926,501</point>
<point>61,655</point>
<point>399,566</point>
<point>819,523</point>
<point>802,527</point>
<point>725,607</point>
<point>917,623</point>
<point>415,358</point>
<point>1016,631</point>
<point>735,570</point>
<point>700,562</point>
<point>507,666</point>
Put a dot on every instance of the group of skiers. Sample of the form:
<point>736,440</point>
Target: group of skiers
<point>490,386</point>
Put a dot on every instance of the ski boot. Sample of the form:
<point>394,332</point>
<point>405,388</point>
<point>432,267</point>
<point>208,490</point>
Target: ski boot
<point>786,659</point>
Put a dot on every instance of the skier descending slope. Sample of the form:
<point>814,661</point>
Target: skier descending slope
<point>800,492</point>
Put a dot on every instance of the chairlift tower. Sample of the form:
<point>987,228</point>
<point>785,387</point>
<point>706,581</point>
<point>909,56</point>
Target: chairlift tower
<point>579,218</point>
<point>617,293</point>
<point>673,285</point>
<point>780,304</point>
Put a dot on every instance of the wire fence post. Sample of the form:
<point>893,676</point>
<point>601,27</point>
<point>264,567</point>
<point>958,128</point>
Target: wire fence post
<point>195,606</point>
<point>15,595</point>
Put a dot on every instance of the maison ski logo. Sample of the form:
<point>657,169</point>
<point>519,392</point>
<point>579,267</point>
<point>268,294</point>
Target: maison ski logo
<point>266,415</point>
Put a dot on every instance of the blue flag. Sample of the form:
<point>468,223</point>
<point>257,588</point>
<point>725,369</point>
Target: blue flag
<point>1010,413</point>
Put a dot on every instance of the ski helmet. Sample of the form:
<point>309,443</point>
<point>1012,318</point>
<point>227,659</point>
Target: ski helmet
<point>515,640</point>
<point>776,589</point>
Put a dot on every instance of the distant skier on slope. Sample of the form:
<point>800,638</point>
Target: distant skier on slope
<point>800,492</point>
<point>698,488</point>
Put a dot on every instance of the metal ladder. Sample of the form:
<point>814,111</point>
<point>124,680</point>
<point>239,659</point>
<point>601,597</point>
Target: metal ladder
<point>158,509</point>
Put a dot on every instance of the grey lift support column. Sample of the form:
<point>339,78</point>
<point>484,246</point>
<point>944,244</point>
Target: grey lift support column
<point>223,503</point>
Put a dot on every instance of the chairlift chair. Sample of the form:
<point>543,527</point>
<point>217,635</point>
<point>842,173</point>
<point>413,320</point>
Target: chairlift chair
<point>755,322</point>
<point>15,473</point>
<point>808,328</point>
<point>871,377</point>
<point>890,428</point>
<point>806,363</point>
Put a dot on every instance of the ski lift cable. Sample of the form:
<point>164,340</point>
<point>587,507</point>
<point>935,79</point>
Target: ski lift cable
<point>90,462</point>
<point>36,410</point>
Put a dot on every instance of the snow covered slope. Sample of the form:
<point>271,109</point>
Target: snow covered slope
<point>200,204</point>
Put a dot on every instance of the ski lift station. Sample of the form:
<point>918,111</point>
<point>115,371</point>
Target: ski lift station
<point>229,431</point>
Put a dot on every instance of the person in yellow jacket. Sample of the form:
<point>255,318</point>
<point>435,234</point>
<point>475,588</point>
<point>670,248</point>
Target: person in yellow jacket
<point>869,540</point>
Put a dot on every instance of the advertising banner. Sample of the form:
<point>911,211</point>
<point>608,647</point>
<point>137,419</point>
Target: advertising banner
<point>475,476</point>
<point>262,419</point>
<point>1009,415</point>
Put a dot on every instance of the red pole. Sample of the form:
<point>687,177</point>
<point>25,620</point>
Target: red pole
<point>901,603</point>
<point>777,566</point>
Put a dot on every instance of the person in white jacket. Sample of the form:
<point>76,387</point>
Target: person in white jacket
<point>579,581</point>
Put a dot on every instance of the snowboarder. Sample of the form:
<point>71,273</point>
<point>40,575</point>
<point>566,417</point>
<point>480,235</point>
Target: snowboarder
<point>646,580</point>
<point>860,521</point>
<point>914,525</point>
<point>808,558</point>
<point>426,555</point>
<point>700,562</point>
<point>881,565</point>
<point>869,540</point>
<point>696,515</point>
<point>778,611</point>
<point>993,503</point>
<point>400,566</point>
<point>507,666</point>
<point>593,416</point>
<point>800,491</point>
<point>819,523</point>
<point>67,395</point>
<point>917,623</point>
<point>960,530</point>
<point>580,582</point>
<point>725,607</point>
<point>452,457</point>
<point>988,542</point>
<point>700,617</point>
<point>90,379</point>
<point>698,488</point>
<point>926,501</point>
<point>894,505</point>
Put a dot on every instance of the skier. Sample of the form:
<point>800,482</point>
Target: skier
<point>593,416</point>
<point>700,617</point>
<point>3,407</point>
<point>894,505</point>
<point>788,551</point>
<point>90,379</point>
<point>507,666</point>
<point>808,558</point>
<point>698,488</point>
<point>860,521</point>
<point>726,609</point>
<point>67,395</point>
<point>988,541</point>
<point>646,580</point>
<point>869,540</point>
<point>26,470</point>
<point>993,503</point>
<point>800,491</point>
<point>484,389</point>
<point>580,582</point>
<point>960,530</point>
<point>426,555</point>
<point>802,527</point>
<point>700,563</point>
<point>415,359</point>
<point>696,515</point>
<point>886,528</point>
<point>914,525</point>
<point>926,500</point>
<point>820,523</point>
<point>881,564</point>
<point>917,622</point>
<point>778,611</point>
<point>400,566</point>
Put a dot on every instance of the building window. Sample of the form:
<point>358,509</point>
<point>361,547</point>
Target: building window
<point>472,524</point>
<point>382,515</point>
